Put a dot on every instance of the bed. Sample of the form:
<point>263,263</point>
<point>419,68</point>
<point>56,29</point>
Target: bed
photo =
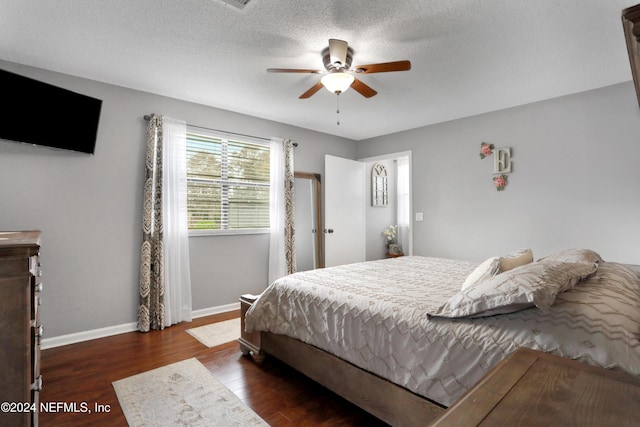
<point>404,338</point>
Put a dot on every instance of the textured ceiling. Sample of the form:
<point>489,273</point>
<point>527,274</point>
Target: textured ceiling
<point>468,57</point>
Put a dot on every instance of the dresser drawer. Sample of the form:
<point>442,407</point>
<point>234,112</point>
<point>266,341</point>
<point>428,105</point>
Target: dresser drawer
<point>36,337</point>
<point>15,267</point>
<point>36,289</point>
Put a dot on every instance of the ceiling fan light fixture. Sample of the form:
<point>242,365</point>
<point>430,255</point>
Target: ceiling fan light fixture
<point>337,82</point>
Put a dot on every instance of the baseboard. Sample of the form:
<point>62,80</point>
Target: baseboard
<point>124,328</point>
<point>87,335</point>
<point>215,310</point>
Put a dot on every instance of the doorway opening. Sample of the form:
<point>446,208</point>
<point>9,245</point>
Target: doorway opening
<point>397,212</point>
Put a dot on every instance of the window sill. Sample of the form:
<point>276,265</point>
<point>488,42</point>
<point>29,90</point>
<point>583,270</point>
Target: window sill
<point>201,233</point>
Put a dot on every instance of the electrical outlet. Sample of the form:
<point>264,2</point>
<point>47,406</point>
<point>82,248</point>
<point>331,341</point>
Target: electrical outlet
<point>419,216</point>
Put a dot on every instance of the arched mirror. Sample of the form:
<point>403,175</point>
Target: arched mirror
<point>308,220</point>
<point>379,185</point>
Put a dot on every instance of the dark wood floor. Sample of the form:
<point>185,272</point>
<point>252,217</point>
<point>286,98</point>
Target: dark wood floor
<point>84,372</point>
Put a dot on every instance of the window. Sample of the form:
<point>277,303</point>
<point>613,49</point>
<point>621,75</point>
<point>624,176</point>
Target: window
<point>227,184</point>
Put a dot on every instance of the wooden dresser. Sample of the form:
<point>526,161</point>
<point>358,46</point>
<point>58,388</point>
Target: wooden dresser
<point>20,287</point>
<point>531,388</point>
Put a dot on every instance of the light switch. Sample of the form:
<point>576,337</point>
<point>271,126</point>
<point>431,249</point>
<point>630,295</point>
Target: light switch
<point>419,216</point>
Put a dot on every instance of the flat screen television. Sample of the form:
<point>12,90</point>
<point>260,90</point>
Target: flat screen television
<point>39,113</point>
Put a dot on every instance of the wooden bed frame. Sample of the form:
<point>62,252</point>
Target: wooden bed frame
<point>389,402</point>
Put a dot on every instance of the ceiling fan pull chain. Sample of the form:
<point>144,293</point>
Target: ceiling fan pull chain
<point>338,108</point>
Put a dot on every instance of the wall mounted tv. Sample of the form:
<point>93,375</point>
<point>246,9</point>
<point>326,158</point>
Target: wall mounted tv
<point>39,113</point>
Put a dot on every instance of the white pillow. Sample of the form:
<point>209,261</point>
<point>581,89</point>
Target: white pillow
<point>535,283</point>
<point>496,265</point>
<point>489,268</point>
<point>516,259</point>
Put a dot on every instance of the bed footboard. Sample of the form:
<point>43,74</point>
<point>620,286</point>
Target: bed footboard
<point>389,402</point>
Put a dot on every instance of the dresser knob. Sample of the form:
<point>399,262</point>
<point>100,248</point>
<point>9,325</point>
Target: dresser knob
<point>37,385</point>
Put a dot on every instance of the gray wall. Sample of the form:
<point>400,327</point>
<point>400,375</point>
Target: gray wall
<point>89,208</point>
<point>379,217</point>
<point>575,183</point>
<point>575,180</point>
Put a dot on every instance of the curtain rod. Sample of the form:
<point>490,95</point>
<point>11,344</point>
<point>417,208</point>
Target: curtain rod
<point>295,144</point>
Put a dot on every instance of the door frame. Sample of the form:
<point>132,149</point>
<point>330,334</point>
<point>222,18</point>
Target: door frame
<point>393,156</point>
<point>316,182</point>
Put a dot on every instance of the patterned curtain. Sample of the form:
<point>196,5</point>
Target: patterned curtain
<point>282,257</point>
<point>165,277</point>
<point>289,209</point>
<point>151,309</point>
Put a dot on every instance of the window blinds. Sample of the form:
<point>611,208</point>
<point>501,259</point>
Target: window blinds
<point>227,182</point>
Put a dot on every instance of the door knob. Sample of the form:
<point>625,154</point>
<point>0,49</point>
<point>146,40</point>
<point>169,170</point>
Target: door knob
<point>330,230</point>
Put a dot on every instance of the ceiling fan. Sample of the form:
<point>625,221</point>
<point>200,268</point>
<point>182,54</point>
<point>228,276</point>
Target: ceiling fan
<point>339,76</point>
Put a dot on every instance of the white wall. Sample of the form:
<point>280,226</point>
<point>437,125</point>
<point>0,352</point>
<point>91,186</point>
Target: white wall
<point>89,208</point>
<point>575,180</point>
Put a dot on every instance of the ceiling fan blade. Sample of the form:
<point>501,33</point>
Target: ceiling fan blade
<point>383,67</point>
<point>294,70</point>
<point>363,89</point>
<point>312,91</point>
<point>338,52</point>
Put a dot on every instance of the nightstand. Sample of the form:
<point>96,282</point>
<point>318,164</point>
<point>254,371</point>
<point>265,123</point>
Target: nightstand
<point>249,342</point>
<point>531,388</point>
<point>388,255</point>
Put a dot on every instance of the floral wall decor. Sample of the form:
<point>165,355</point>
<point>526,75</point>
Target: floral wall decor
<point>486,149</point>
<point>500,181</point>
<point>501,164</point>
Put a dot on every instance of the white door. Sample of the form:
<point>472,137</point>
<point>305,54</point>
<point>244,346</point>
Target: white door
<point>344,223</point>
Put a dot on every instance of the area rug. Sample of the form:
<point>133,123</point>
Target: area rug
<point>217,333</point>
<point>181,394</point>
